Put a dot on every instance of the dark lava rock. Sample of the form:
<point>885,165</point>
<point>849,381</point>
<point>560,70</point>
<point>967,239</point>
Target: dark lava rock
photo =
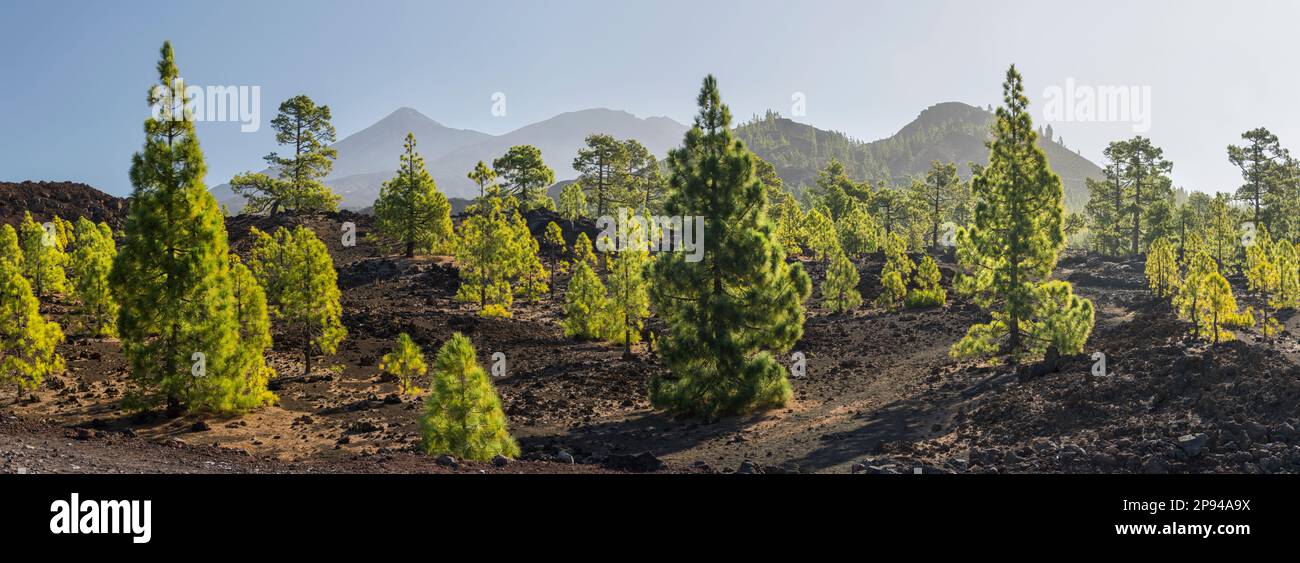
<point>643,462</point>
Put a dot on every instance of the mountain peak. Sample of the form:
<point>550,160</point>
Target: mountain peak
<point>407,114</point>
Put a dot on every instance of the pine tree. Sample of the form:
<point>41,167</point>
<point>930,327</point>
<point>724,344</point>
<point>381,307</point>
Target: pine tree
<point>789,224</point>
<point>486,180</point>
<point>894,273</point>
<point>1262,162</point>
<point>301,288</point>
<point>555,250</point>
<point>92,260</point>
<point>836,193</point>
<point>731,312</point>
<point>463,415</point>
<point>586,304</point>
<point>172,276</point>
<point>629,303</point>
<point>486,259</point>
<point>839,289</point>
<point>525,176</point>
<point>306,127</point>
<point>1222,237</point>
<point>819,233</point>
<point>1011,249</point>
<point>857,232</point>
<point>1218,308</point>
<point>410,208</point>
<point>602,164</point>
<point>1191,295</point>
<point>1143,183</point>
<point>11,254</point>
<point>938,195</point>
<point>643,182</point>
<point>247,390</point>
<point>1264,277</point>
<point>43,257</point>
<point>1288,268</point>
<point>582,251</point>
<point>573,202</point>
<point>527,268</point>
<point>405,363</point>
<point>27,340</point>
<point>1162,268</point>
<point>928,292</point>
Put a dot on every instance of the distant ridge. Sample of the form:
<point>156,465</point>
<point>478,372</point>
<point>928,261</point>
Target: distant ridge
<point>947,132</point>
<point>369,157</point>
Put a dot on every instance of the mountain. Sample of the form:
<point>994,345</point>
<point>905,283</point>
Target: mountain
<point>369,157</point>
<point>947,132</point>
<point>559,139</point>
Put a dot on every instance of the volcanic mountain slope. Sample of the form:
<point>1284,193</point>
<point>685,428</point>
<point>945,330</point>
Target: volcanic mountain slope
<point>68,200</point>
<point>947,132</point>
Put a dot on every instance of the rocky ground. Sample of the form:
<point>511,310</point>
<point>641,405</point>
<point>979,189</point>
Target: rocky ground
<point>880,394</point>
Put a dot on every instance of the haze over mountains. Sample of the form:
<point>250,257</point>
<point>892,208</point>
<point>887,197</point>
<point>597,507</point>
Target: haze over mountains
<point>369,157</point>
<point>948,132</point>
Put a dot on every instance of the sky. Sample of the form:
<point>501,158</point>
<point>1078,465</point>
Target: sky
<point>74,74</point>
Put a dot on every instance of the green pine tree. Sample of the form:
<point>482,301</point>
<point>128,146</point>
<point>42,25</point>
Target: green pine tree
<point>629,303</point>
<point>486,259</point>
<point>1011,249</point>
<point>405,363</point>
<point>602,165</point>
<point>586,304</point>
<point>790,220</point>
<point>11,254</point>
<point>411,209</point>
<point>529,272</point>
<point>928,292</point>
<point>525,176</point>
<point>839,289</point>
<point>857,232</point>
<point>171,278</point>
<point>582,251</point>
<point>1162,268</point>
<point>463,415</point>
<point>92,260</point>
<point>820,236</point>
<point>306,127</point>
<point>938,195</point>
<point>555,250</point>
<point>27,340</point>
<point>43,257</point>
<point>248,389</point>
<point>573,202</point>
<point>301,286</point>
<point>741,304</point>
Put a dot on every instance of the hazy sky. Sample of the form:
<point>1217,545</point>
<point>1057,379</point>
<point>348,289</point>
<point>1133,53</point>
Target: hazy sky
<point>73,75</point>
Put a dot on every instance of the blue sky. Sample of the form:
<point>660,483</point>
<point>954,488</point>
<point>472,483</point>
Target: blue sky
<point>75,73</point>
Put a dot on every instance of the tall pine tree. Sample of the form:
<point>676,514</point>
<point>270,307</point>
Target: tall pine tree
<point>729,313</point>
<point>177,308</point>
<point>410,208</point>
<point>1011,249</point>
